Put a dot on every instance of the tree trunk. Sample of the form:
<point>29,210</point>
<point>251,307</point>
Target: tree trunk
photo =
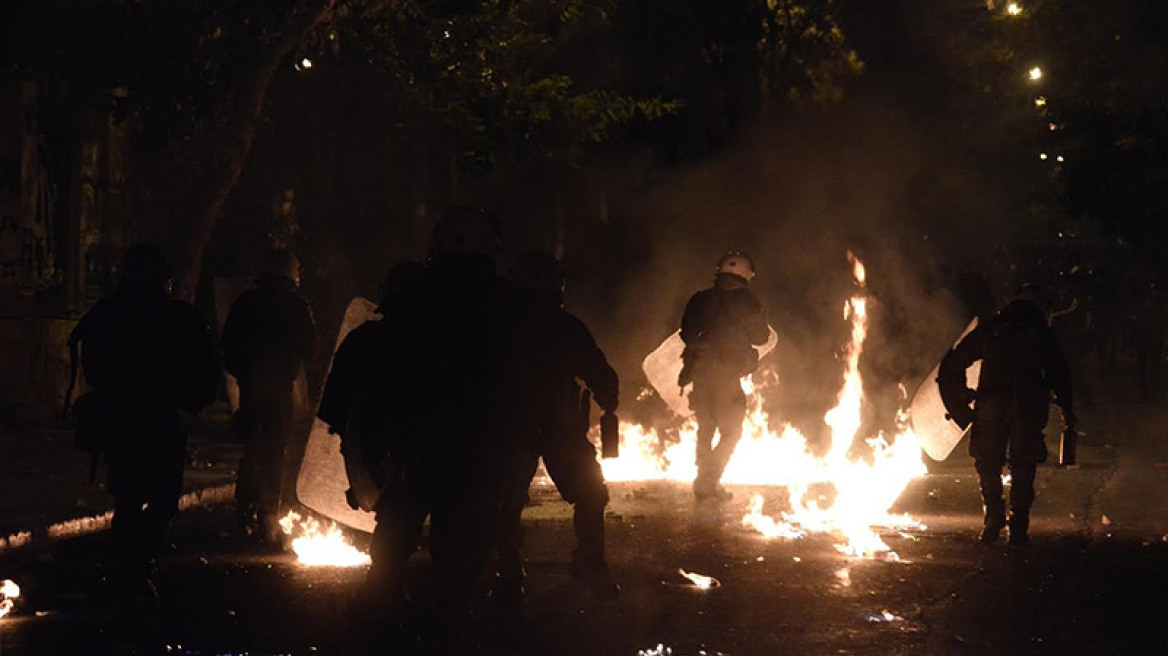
<point>194,233</point>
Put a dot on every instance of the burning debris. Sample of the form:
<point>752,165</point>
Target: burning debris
<point>320,547</point>
<point>9,593</point>
<point>865,488</point>
<point>700,580</point>
<point>882,617</point>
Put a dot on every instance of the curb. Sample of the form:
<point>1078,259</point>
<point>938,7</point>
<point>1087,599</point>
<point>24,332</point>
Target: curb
<point>42,535</point>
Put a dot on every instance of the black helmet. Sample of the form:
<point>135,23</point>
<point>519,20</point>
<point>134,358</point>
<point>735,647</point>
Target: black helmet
<point>465,229</point>
<point>538,270</point>
<point>402,281</point>
<point>145,265</point>
<point>282,263</point>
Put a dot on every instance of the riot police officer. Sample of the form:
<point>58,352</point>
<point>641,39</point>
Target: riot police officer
<point>1022,364</point>
<point>549,418</point>
<point>720,328</point>
<point>438,398</point>
<point>147,357</point>
<point>269,333</point>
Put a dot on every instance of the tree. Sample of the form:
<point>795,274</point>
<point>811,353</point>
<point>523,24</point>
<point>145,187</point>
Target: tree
<point>1083,85</point>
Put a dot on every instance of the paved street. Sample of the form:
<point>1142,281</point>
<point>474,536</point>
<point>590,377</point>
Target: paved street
<point>1093,582</point>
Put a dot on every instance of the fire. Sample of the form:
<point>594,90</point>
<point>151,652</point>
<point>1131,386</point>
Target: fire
<point>315,546</point>
<point>866,481</point>
<point>9,593</point>
<point>700,580</point>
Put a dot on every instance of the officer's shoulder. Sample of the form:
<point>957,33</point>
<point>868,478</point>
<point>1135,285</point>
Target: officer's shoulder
<point>702,295</point>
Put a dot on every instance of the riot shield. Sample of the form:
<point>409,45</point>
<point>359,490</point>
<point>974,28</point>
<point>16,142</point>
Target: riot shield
<point>322,481</point>
<point>938,435</point>
<point>663,365</point>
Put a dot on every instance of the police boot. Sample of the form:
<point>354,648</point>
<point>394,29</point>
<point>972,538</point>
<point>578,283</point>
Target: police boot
<point>995,521</point>
<point>588,562</point>
<point>707,488</point>
<point>1019,529</point>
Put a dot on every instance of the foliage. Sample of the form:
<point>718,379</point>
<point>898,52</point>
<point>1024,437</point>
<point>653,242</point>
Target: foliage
<point>508,80</point>
<point>803,52</point>
<point>1097,113</point>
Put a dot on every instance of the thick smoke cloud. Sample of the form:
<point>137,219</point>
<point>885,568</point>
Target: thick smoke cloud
<point>799,198</point>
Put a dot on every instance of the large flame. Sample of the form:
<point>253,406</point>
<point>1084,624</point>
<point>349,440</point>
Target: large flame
<point>866,481</point>
<point>9,593</point>
<point>319,546</point>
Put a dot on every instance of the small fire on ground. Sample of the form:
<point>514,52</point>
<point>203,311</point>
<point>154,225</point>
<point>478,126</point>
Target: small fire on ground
<point>320,546</point>
<point>9,593</point>
<point>866,481</point>
<point>700,580</point>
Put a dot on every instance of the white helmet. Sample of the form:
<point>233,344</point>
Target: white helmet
<point>737,263</point>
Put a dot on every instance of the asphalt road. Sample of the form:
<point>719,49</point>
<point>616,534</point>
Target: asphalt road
<point>1086,585</point>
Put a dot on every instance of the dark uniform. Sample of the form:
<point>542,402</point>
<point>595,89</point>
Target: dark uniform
<point>146,357</point>
<point>720,328</point>
<point>438,397</point>
<point>550,419</point>
<point>359,401</point>
<point>269,333</point>
<point>1021,365</point>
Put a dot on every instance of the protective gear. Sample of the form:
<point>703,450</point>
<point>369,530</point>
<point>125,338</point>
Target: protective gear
<point>550,418</point>
<point>269,333</point>
<point>145,265</point>
<point>537,270</point>
<point>467,230</point>
<point>720,328</point>
<point>609,435</point>
<point>434,390</point>
<point>1021,365</point>
<point>146,357</point>
<point>737,263</point>
<point>282,263</point>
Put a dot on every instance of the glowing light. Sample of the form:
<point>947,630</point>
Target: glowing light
<point>1035,74</point>
<point>316,547</point>
<point>774,453</point>
<point>304,64</point>
<point>1060,159</point>
<point>9,593</point>
<point>1042,156</point>
<point>1014,9</point>
<point>700,580</point>
<point>1040,101</point>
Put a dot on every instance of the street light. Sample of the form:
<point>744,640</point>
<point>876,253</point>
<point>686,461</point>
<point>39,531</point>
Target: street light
<point>1035,74</point>
<point>1014,9</point>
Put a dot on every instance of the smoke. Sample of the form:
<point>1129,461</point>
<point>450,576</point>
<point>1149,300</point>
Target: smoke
<point>799,197</point>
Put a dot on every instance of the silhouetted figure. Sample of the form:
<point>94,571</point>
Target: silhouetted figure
<point>268,335</point>
<point>550,418</point>
<point>359,402</point>
<point>720,328</point>
<point>1022,364</point>
<point>146,357</point>
<point>440,399</point>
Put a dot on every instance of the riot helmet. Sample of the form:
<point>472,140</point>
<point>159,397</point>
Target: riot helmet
<point>281,263</point>
<point>538,270</point>
<point>145,266</point>
<point>736,263</point>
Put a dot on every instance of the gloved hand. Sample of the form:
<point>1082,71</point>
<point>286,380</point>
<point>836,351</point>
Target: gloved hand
<point>609,435</point>
<point>363,490</point>
<point>962,417</point>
